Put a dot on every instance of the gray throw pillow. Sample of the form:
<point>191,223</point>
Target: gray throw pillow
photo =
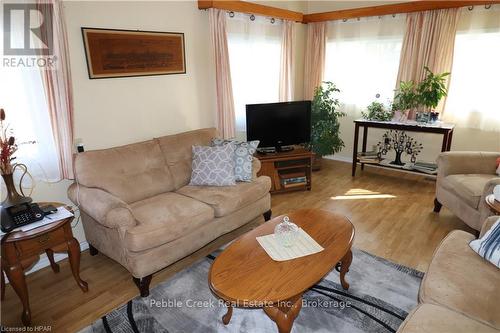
<point>242,157</point>
<point>213,166</point>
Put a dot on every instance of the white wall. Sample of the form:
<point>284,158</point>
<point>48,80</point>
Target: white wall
<point>117,111</point>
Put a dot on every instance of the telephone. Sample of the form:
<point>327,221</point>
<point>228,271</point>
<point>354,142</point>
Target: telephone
<point>19,215</point>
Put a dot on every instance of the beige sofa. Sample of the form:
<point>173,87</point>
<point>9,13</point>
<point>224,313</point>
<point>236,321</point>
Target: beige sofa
<point>463,181</point>
<point>460,292</point>
<point>138,209</point>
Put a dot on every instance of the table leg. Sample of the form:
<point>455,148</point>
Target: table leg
<point>344,268</point>
<point>355,150</point>
<point>53,265</point>
<point>227,317</point>
<point>15,275</point>
<point>445,142</point>
<point>74,261</point>
<point>450,137</point>
<point>365,137</point>
<point>284,314</point>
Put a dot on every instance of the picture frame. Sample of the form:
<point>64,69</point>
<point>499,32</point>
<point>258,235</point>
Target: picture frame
<point>114,53</point>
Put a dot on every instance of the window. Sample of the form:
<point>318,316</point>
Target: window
<point>362,59</point>
<point>23,98</point>
<point>254,57</point>
<point>473,98</point>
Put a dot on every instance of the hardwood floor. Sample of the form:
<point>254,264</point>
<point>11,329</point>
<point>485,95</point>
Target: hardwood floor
<point>391,211</point>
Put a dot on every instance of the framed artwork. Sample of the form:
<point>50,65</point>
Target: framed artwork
<point>124,53</point>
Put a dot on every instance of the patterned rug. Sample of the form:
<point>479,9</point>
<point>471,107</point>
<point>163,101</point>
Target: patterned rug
<point>379,298</point>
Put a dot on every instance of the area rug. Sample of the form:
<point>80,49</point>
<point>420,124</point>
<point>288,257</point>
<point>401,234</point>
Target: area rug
<point>380,296</point>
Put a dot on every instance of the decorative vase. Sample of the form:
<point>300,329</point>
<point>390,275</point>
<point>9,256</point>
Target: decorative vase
<point>13,198</point>
<point>286,232</point>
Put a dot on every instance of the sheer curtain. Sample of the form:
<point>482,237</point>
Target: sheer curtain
<point>362,59</point>
<point>254,57</point>
<point>23,98</point>
<point>474,94</point>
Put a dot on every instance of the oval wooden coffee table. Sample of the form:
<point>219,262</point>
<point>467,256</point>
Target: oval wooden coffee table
<point>243,275</point>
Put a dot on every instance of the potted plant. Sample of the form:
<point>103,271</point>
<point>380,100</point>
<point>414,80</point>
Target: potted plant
<point>378,111</point>
<point>325,114</point>
<point>430,91</point>
<point>405,98</point>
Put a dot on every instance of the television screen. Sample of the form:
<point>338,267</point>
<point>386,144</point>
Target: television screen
<point>279,124</point>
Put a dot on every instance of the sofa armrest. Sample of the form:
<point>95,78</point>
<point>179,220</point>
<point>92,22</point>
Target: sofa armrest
<point>488,224</point>
<point>466,162</point>
<point>255,167</point>
<point>102,206</point>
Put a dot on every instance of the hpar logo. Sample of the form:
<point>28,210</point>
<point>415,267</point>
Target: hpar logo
<point>28,39</point>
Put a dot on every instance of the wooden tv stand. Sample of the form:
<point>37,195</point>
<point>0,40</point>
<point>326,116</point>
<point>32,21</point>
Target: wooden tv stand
<point>281,166</point>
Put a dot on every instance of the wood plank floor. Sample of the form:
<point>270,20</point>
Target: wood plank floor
<point>392,213</point>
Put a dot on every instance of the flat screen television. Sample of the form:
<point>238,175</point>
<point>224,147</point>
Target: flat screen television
<point>279,124</point>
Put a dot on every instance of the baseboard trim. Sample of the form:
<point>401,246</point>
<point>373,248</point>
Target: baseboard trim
<point>338,158</point>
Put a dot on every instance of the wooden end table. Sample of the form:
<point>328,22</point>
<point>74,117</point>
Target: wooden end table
<point>243,275</point>
<point>493,203</point>
<point>22,249</point>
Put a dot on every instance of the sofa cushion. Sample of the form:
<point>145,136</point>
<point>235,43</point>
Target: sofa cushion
<point>227,199</point>
<point>164,218</point>
<point>243,157</point>
<point>177,151</point>
<point>213,166</point>
<point>131,173</point>
<point>469,187</point>
<point>462,281</point>
<point>429,318</point>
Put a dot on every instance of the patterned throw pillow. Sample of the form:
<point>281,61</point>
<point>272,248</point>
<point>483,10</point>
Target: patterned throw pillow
<point>488,246</point>
<point>213,166</point>
<point>242,157</point>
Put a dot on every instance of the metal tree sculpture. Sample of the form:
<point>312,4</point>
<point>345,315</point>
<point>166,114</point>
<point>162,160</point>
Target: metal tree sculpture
<point>400,142</point>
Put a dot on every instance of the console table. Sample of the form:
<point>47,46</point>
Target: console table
<point>441,128</point>
<point>282,165</point>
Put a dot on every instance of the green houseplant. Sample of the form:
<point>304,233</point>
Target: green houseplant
<point>325,114</point>
<point>430,91</point>
<point>378,111</point>
<point>405,97</point>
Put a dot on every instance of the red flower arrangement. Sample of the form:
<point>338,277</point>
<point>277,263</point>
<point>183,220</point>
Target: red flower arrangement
<point>8,147</point>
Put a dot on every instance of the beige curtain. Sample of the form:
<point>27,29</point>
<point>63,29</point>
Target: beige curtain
<point>315,57</point>
<point>286,65</point>
<point>429,41</point>
<point>57,84</point>
<point>225,101</point>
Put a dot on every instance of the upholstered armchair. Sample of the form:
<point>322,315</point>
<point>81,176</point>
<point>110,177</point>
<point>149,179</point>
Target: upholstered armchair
<point>464,180</point>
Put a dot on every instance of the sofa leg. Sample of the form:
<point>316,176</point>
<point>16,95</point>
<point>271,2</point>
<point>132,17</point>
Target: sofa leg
<point>92,250</point>
<point>143,284</point>
<point>437,206</point>
<point>267,215</point>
